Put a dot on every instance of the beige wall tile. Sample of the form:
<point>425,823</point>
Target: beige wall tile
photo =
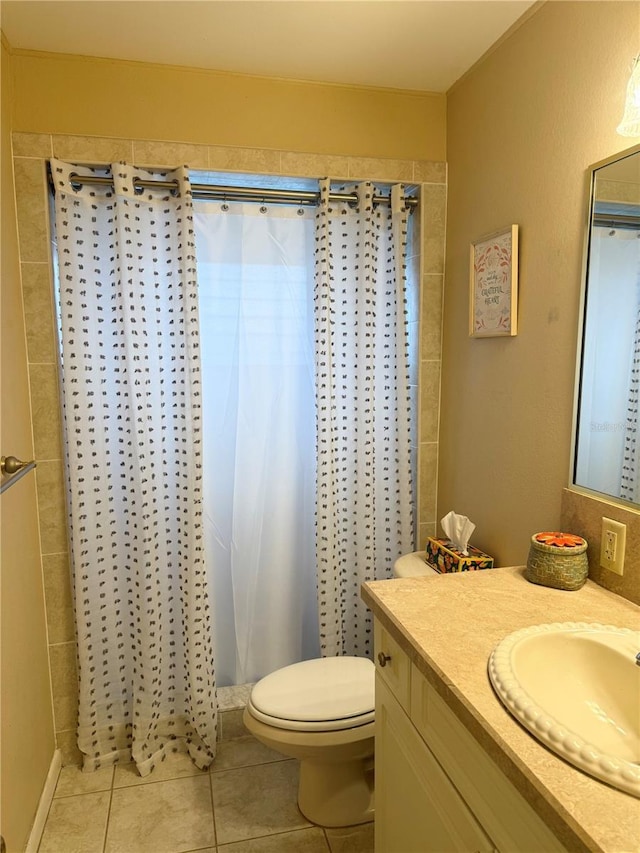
<point>31,201</point>
<point>413,339</point>
<point>65,708</point>
<point>67,743</point>
<point>258,160</point>
<point>51,507</point>
<point>45,410</point>
<point>314,165</point>
<point>64,680</point>
<point>433,248</point>
<point>434,198</point>
<point>429,400</point>
<point>170,155</point>
<point>37,295</point>
<point>233,697</point>
<point>371,169</point>
<point>428,481</point>
<point>429,172</point>
<point>425,530</point>
<point>32,145</point>
<point>582,514</point>
<point>58,598</point>
<point>92,149</point>
<point>431,317</point>
<point>434,209</point>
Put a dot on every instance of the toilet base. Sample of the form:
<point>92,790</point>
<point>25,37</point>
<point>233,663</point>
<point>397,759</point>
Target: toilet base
<point>336,770</point>
<point>336,794</point>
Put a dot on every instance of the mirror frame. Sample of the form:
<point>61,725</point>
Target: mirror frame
<point>590,187</point>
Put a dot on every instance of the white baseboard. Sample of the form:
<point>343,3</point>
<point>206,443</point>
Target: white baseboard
<point>46,797</point>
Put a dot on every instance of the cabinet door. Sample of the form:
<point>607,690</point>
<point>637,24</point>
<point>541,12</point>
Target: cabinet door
<point>500,808</point>
<point>417,808</point>
<point>392,665</point>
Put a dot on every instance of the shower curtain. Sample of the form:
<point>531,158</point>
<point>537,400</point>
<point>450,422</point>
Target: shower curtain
<point>131,391</point>
<point>364,504</point>
<point>608,455</point>
<point>255,280</point>
<point>630,477</point>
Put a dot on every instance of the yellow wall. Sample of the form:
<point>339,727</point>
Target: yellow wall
<point>26,717</point>
<point>523,127</point>
<point>98,97</point>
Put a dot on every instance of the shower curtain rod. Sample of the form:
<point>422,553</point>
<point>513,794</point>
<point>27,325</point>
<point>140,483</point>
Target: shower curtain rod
<point>221,193</point>
<point>616,220</point>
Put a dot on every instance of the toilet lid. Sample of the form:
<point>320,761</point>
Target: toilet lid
<point>318,691</point>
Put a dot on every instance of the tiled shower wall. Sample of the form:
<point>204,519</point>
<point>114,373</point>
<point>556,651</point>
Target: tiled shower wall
<point>31,151</point>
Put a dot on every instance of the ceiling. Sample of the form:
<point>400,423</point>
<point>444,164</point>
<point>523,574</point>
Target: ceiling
<point>424,45</point>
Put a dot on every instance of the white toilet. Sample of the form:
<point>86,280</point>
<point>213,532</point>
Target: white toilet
<point>322,712</point>
<point>413,566</point>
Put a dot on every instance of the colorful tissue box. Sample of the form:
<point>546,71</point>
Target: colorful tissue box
<point>444,557</point>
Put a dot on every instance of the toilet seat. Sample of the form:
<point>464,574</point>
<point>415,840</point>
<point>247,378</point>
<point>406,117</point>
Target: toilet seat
<point>325,694</point>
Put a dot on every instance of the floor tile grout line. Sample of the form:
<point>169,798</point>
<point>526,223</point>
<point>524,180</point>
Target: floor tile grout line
<point>326,838</point>
<point>213,813</point>
<point>290,831</point>
<point>106,826</point>
<point>114,787</point>
<point>246,766</point>
<point>159,781</point>
<point>80,794</point>
<point>209,772</point>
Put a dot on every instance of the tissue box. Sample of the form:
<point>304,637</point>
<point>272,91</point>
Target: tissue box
<point>444,557</point>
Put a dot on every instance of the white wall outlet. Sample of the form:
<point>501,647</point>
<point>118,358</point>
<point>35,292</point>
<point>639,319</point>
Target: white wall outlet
<point>614,536</point>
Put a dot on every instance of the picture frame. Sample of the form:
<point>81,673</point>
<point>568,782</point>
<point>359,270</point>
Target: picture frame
<point>493,284</point>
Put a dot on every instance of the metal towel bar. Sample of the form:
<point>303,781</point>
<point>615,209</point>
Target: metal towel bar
<point>14,469</point>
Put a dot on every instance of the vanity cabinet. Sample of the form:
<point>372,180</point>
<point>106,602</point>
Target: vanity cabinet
<point>436,788</point>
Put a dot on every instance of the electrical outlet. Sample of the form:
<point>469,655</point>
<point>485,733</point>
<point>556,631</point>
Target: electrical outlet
<point>613,541</point>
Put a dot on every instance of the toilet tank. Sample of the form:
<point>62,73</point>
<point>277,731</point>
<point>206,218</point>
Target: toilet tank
<point>412,566</point>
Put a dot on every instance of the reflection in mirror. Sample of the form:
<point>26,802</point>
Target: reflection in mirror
<point>607,453</point>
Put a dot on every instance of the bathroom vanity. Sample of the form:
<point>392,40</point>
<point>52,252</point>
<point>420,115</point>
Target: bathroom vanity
<point>454,770</point>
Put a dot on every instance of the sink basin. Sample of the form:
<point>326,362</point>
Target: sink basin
<point>576,687</point>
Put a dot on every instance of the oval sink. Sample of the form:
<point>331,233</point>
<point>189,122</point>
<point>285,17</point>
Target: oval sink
<point>576,687</point>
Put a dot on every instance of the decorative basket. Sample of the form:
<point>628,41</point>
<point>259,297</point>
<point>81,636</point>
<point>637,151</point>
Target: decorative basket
<point>558,560</point>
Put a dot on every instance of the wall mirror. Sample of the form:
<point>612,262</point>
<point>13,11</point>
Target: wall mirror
<point>607,445</point>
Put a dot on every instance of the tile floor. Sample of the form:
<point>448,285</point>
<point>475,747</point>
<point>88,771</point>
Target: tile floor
<point>246,803</point>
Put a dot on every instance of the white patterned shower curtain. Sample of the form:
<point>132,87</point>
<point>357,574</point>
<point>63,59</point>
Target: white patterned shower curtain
<point>608,457</point>
<point>630,476</point>
<point>132,419</point>
<point>364,507</point>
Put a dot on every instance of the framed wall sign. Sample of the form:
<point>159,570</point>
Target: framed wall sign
<point>493,297</point>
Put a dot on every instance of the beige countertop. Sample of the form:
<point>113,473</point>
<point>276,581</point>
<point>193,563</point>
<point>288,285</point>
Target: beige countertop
<point>449,625</point>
